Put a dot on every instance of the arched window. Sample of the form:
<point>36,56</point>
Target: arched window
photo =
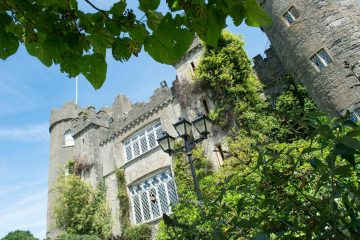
<point>153,197</point>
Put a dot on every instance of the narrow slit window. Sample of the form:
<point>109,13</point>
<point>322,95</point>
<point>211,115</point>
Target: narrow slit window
<point>205,106</point>
<point>220,153</point>
<point>321,59</point>
<point>193,66</point>
<point>291,15</point>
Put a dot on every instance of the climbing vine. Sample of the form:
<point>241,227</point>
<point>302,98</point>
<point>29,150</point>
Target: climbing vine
<point>129,232</point>
<point>80,209</point>
<point>291,172</point>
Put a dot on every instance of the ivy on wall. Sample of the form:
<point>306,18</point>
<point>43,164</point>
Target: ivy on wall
<point>80,209</point>
<point>291,173</point>
<point>129,232</point>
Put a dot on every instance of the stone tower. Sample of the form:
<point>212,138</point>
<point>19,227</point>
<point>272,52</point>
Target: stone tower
<point>312,39</point>
<point>61,151</point>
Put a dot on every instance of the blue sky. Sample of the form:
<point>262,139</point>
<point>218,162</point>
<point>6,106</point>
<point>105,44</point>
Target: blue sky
<point>28,91</point>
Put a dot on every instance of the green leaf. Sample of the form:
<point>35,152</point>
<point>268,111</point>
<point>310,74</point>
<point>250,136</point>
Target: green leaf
<point>146,5</point>
<point>210,31</point>
<point>139,32</point>
<point>94,69</point>
<point>118,8</point>
<point>169,43</point>
<point>153,19</point>
<point>72,65</point>
<point>35,49</point>
<point>9,44</point>
<point>120,49</point>
<point>238,14</point>
<point>260,236</point>
<point>255,15</point>
<point>101,40</point>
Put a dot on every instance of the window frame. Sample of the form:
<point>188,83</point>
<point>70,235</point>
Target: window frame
<point>323,61</point>
<point>291,15</point>
<point>134,144</point>
<point>67,134</point>
<point>140,193</point>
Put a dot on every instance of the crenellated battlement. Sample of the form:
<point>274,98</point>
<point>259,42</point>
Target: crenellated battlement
<point>269,71</point>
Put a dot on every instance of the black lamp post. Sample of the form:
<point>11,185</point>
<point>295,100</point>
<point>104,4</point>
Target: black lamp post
<point>184,128</point>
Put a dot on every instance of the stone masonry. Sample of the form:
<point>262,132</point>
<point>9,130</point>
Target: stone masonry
<point>99,136</point>
<point>332,25</point>
<point>325,30</point>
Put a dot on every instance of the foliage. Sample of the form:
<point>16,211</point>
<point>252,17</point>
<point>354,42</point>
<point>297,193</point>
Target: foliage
<point>227,73</point>
<point>19,235</point>
<point>291,173</point>
<point>67,236</point>
<point>80,209</point>
<point>137,232</point>
<point>58,32</point>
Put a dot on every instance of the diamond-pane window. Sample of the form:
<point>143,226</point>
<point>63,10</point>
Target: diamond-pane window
<point>321,59</point>
<point>158,132</point>
<point>172,192</point>
<point>152,140</point>
<point>154,203</point>
<point>128,153</point>
<point>163,199</point>
<point>136,149</point>
<point>325,56</point>
<point>291,15</point>
<point>145,206</point>
<point>144,144</point>
<point>153,197</point>
<point>142,141</point>
<point>137,209</point>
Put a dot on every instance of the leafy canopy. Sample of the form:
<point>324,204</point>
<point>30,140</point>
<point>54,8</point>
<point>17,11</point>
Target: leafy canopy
<point>82,210</point>
<point>19,235</point>
<point>58,32</point>
<point>290,172</point>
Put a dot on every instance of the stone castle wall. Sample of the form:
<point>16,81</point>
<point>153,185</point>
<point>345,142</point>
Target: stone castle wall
<point>99,136</point>
<point>333,25</point>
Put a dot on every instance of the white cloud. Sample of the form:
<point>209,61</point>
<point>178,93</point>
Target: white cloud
<point>26,213</point>
<point>29,133</point>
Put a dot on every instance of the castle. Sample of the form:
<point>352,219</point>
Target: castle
<point>316,41</point>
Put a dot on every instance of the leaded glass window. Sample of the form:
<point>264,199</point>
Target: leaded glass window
<point>142,141</point>
<point>355,115</point>
<point>291,15</point>
<point>321,59</point>
<point>156,195</point>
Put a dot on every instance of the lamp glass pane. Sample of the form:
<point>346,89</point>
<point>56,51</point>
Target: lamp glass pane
<point>208,123</point>
<point>188,128</point>
<point>164,144</point>
<point>180,128</point>
<point>200,126</point>
<point>171,144</point>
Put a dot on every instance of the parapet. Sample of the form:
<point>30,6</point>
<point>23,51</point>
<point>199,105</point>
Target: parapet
<point>88,118</point>
<point>195,47</point>
<point>67,112</point>
<point>269,71</point>
<point>140,111</point>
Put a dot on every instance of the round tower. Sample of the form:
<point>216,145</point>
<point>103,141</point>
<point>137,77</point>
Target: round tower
<point>318,42</point>
<point>61,151</point>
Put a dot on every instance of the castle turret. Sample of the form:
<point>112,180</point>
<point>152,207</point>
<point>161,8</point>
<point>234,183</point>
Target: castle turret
<point>61,151</point>
<point>313,40</point>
